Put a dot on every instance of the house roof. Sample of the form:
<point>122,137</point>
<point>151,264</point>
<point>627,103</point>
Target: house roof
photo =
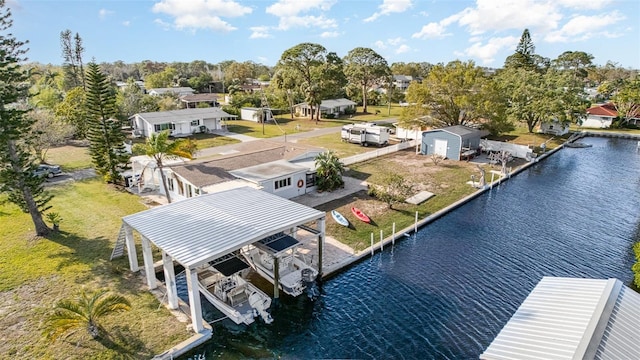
<point>267,171</point>
<point>175,90</point>
<point>197,230</point>
<point>183,115</point>
<point>216,171</point>
<point>463,131</point>
<point>402,78</point>
<point>607,109</point>
<point>204,97</point>
<point>332,103</point>
<point>569,318</point>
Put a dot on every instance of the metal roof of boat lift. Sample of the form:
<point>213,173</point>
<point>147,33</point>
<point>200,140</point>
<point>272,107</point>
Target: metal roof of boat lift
<point>568,318</point>
<point>203,228</point>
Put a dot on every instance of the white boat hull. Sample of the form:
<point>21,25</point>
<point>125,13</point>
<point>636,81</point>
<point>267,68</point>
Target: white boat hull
<point>235,297</point>
<point>292,271</point>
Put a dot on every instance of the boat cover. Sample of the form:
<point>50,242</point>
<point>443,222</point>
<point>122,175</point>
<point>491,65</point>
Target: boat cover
<point>278,243</point>
<point>230,266</point>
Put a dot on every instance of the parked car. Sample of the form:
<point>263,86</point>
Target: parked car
<point>48,171</point>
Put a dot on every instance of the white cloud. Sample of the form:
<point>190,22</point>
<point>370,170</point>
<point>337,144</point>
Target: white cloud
<point>430,31</point>
<point>286,8</point>
<point>581,27</point>
<point>396,41</point>
<point>380,45</point>
<point>262,59</point>
<point>511,14</point>
<point>201,14</point>
<point>329,34</point>
<point>103,13</point>
<point>390,6</point>
<point>582,5</point>
<point>486,52</point>
<point>403,49</point>
<point>293,13</point>
<point>164,25</point>
<point>321,22</point>
<point>259,32</point>
<point>126,23</point>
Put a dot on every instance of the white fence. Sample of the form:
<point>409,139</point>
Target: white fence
<point>378,152</point>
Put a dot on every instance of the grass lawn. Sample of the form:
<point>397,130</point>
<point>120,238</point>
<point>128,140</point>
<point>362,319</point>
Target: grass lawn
<point>37,272</point>
<point>446,180</point>
<point>522,136</point>
<point>335,143</point>
<point>280,126</point>
<point>209,140</point>
<point>70,157</point>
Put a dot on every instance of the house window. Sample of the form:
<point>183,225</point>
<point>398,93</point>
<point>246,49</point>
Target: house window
<point>282,183</point>
<point>195,122</point>
<point>189,191</point>
<point>311,180</point>
<point>167,126</point>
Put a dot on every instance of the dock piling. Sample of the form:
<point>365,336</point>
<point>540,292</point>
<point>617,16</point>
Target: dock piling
<point>381,242</point>
<point>415,225</point>
<point>371,244</point>
<point>393,234</point>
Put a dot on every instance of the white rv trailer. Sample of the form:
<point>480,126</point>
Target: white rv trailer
<point>366,134</point>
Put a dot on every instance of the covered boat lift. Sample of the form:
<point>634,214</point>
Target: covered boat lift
<point>201,229</point>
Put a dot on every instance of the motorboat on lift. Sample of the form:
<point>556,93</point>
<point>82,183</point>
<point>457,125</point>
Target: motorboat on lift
<point>223,284</point>
<point>294,268</point>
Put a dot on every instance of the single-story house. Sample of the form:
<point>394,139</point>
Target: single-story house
<point>452,142</point>
<point>179,91</point>
<point>570,318</point>
<point>554,127</point>
<point>275,168</point>
<point>123,84</point>
<point>331,106</point>
<point>251,114</point>
<point>193,100</point>
<point>182,122</point>
<point>600,116</point>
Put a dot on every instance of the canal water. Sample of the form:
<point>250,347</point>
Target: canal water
<point>446,292</point>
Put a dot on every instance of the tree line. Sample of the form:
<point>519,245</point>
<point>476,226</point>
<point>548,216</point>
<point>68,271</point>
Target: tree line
<point>45,105</point>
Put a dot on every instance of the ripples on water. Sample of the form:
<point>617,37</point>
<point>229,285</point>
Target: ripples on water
<point>446,292</point>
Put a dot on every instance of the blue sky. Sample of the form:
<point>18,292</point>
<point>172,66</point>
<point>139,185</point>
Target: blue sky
<point>485,31</point>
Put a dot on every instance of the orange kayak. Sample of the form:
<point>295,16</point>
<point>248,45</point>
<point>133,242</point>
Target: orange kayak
<point>360,215</point>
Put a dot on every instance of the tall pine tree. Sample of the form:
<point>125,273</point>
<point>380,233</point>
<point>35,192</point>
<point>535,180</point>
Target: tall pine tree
<point>523,58</point>
<point>106,138</point>
<point>17,163</point>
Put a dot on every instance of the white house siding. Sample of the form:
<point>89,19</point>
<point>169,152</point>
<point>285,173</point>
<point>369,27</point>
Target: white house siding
<point>290,189</point>
<point>598,122</point>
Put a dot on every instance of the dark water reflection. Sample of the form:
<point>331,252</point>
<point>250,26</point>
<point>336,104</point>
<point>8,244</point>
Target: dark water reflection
<point>447,292</point>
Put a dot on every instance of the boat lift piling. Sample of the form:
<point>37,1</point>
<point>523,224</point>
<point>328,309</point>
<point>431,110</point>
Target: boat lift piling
<point>415,225</point>
<point>492,175</point>
<point>381,241</point>
<point>276,280</point>
<point>393,234</point>
<point>371,244</point>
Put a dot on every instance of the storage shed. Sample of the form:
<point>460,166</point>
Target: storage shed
<point>452,142</point>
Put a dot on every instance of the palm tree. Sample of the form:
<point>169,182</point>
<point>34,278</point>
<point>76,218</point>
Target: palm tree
<point>84,312</point>
<point>160,148</point>
<point>329,171</point>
